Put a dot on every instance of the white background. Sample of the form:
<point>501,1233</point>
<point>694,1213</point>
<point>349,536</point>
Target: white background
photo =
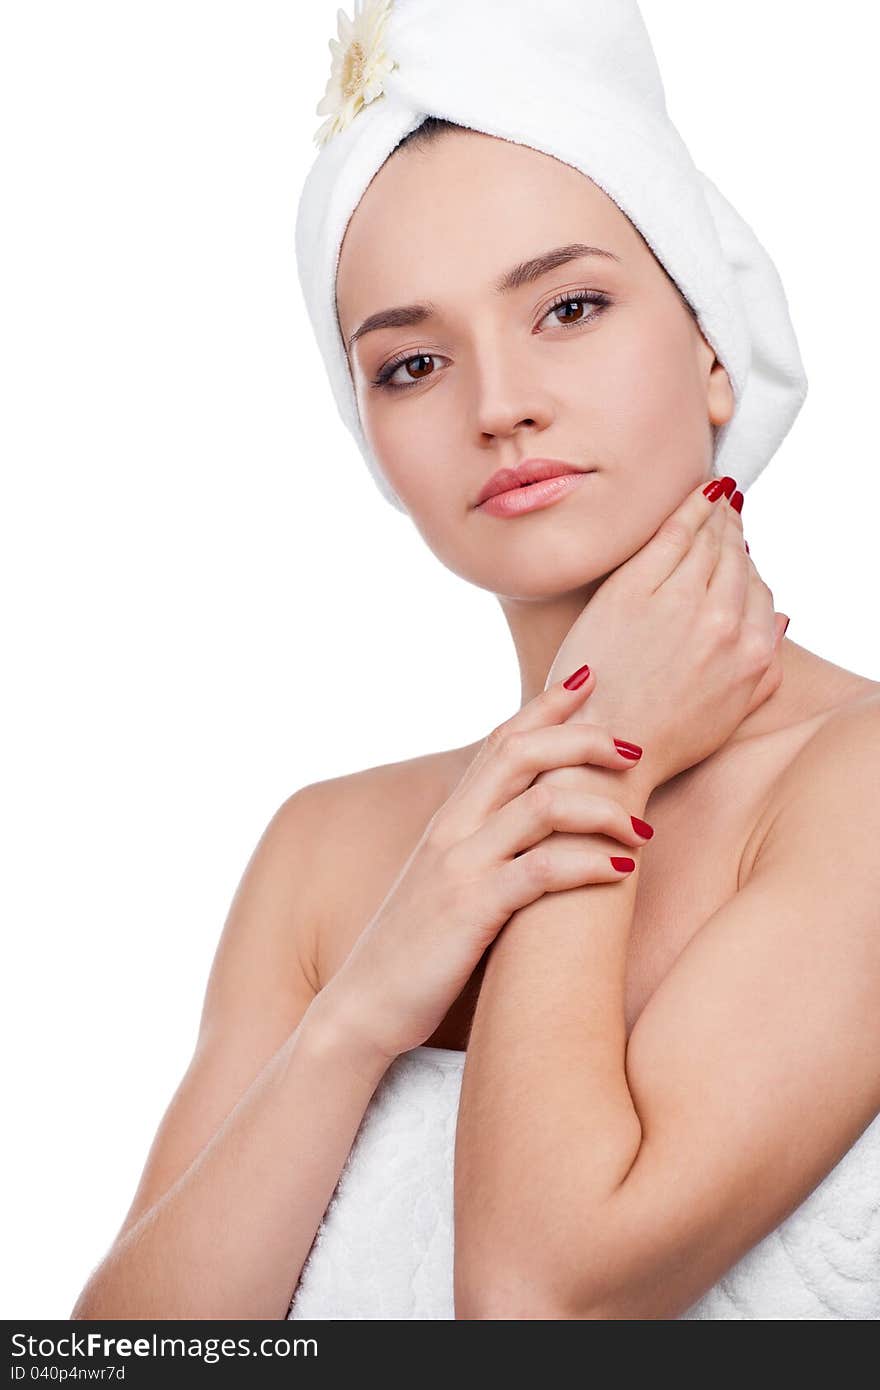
<point>190,632</point>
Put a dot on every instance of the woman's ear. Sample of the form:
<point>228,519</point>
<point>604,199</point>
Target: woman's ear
<point>720,400</point>
<point>719,395</point>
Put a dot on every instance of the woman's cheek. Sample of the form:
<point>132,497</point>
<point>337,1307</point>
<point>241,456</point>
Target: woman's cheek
<point>387,438</point>
<point>662,416</point>
<point>401,445</point>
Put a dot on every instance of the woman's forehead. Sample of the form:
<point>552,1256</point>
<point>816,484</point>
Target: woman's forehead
<point>480,207</point>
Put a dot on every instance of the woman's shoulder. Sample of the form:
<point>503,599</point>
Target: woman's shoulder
<point>850,716</point>
<point>826,701</point>
<point>838,763</point>
<point>365,824</point>
<point>394,790</point>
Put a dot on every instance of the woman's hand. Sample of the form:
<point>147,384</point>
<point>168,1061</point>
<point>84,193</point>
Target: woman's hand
<point>683,639</point>
<point>479,860</point>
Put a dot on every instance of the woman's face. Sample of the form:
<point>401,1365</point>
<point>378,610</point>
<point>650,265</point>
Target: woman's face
<point>620,384</point>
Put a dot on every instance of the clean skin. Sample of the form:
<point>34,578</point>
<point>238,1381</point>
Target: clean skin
<point>623,383</point>
<point>636,393</point>
<point>697,1105</point>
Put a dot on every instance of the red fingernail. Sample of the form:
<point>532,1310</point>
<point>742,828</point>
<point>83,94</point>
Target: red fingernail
<point>785,629</point>
<point>629,750</point>
<point>728,484</point>
<point>577,678</point>
<point>621,862</point>
<point>641,827</point>
<point>748,552</point>
<point>714,490</point>
<point>736,502</point>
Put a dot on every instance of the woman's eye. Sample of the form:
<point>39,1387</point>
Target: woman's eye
<point>418,367</point>
<point>419,372</point>
<point>573,305</point>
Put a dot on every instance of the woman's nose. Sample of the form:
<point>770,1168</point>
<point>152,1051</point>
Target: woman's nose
<point>507,398</point>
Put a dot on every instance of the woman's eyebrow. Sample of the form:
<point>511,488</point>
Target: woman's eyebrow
<point>524,272</point>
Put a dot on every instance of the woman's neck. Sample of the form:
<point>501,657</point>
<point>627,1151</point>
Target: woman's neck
<point>810,686</point>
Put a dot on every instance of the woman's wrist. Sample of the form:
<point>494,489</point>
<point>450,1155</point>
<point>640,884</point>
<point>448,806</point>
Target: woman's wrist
<point>336,1026</point>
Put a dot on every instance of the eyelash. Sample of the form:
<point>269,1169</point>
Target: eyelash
<point>599,300</point>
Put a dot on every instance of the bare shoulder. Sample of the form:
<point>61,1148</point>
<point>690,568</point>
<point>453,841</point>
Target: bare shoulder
<point>851,731</point>
<point>835,773</point>
<point>369,822</point>
<point>322,837</point>
<point>366,806</point>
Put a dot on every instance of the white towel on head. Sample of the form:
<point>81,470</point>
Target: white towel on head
<point>576,79</point>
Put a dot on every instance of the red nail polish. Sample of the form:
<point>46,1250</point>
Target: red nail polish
<point>641,827</point>
<point>748,552</point>
<point>629,750</point>
<point>577,678</point>
<point>622,862</point>
<point>785,629</point>
<point>729,484</point>
<point>736,501</point>
<point>714,490</point>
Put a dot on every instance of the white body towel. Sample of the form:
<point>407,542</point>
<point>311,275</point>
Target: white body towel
<point>384,1249</point>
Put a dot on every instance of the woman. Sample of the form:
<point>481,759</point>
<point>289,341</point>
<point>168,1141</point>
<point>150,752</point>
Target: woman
<point>644,909</point>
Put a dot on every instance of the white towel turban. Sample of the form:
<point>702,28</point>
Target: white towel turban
<point>576,79</point>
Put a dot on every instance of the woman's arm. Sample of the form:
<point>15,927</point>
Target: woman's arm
<point>595,1180</point>
<point>252,1145</point>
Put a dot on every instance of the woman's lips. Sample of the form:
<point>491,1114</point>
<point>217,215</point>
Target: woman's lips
<point>531,497</point>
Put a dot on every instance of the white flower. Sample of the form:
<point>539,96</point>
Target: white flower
<point>360,65</point>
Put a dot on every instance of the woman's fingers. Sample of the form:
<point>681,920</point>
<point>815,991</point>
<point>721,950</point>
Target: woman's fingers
<point>555,866</point>
<point>518,758</point>
<point>522,826</point>
<point>696,567</point>
<point>729,582</point>
<point>760,630</point>
<point>672,540</point>
<point>552,706</point>
<point>544,808</point>
<point>759,615</point>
